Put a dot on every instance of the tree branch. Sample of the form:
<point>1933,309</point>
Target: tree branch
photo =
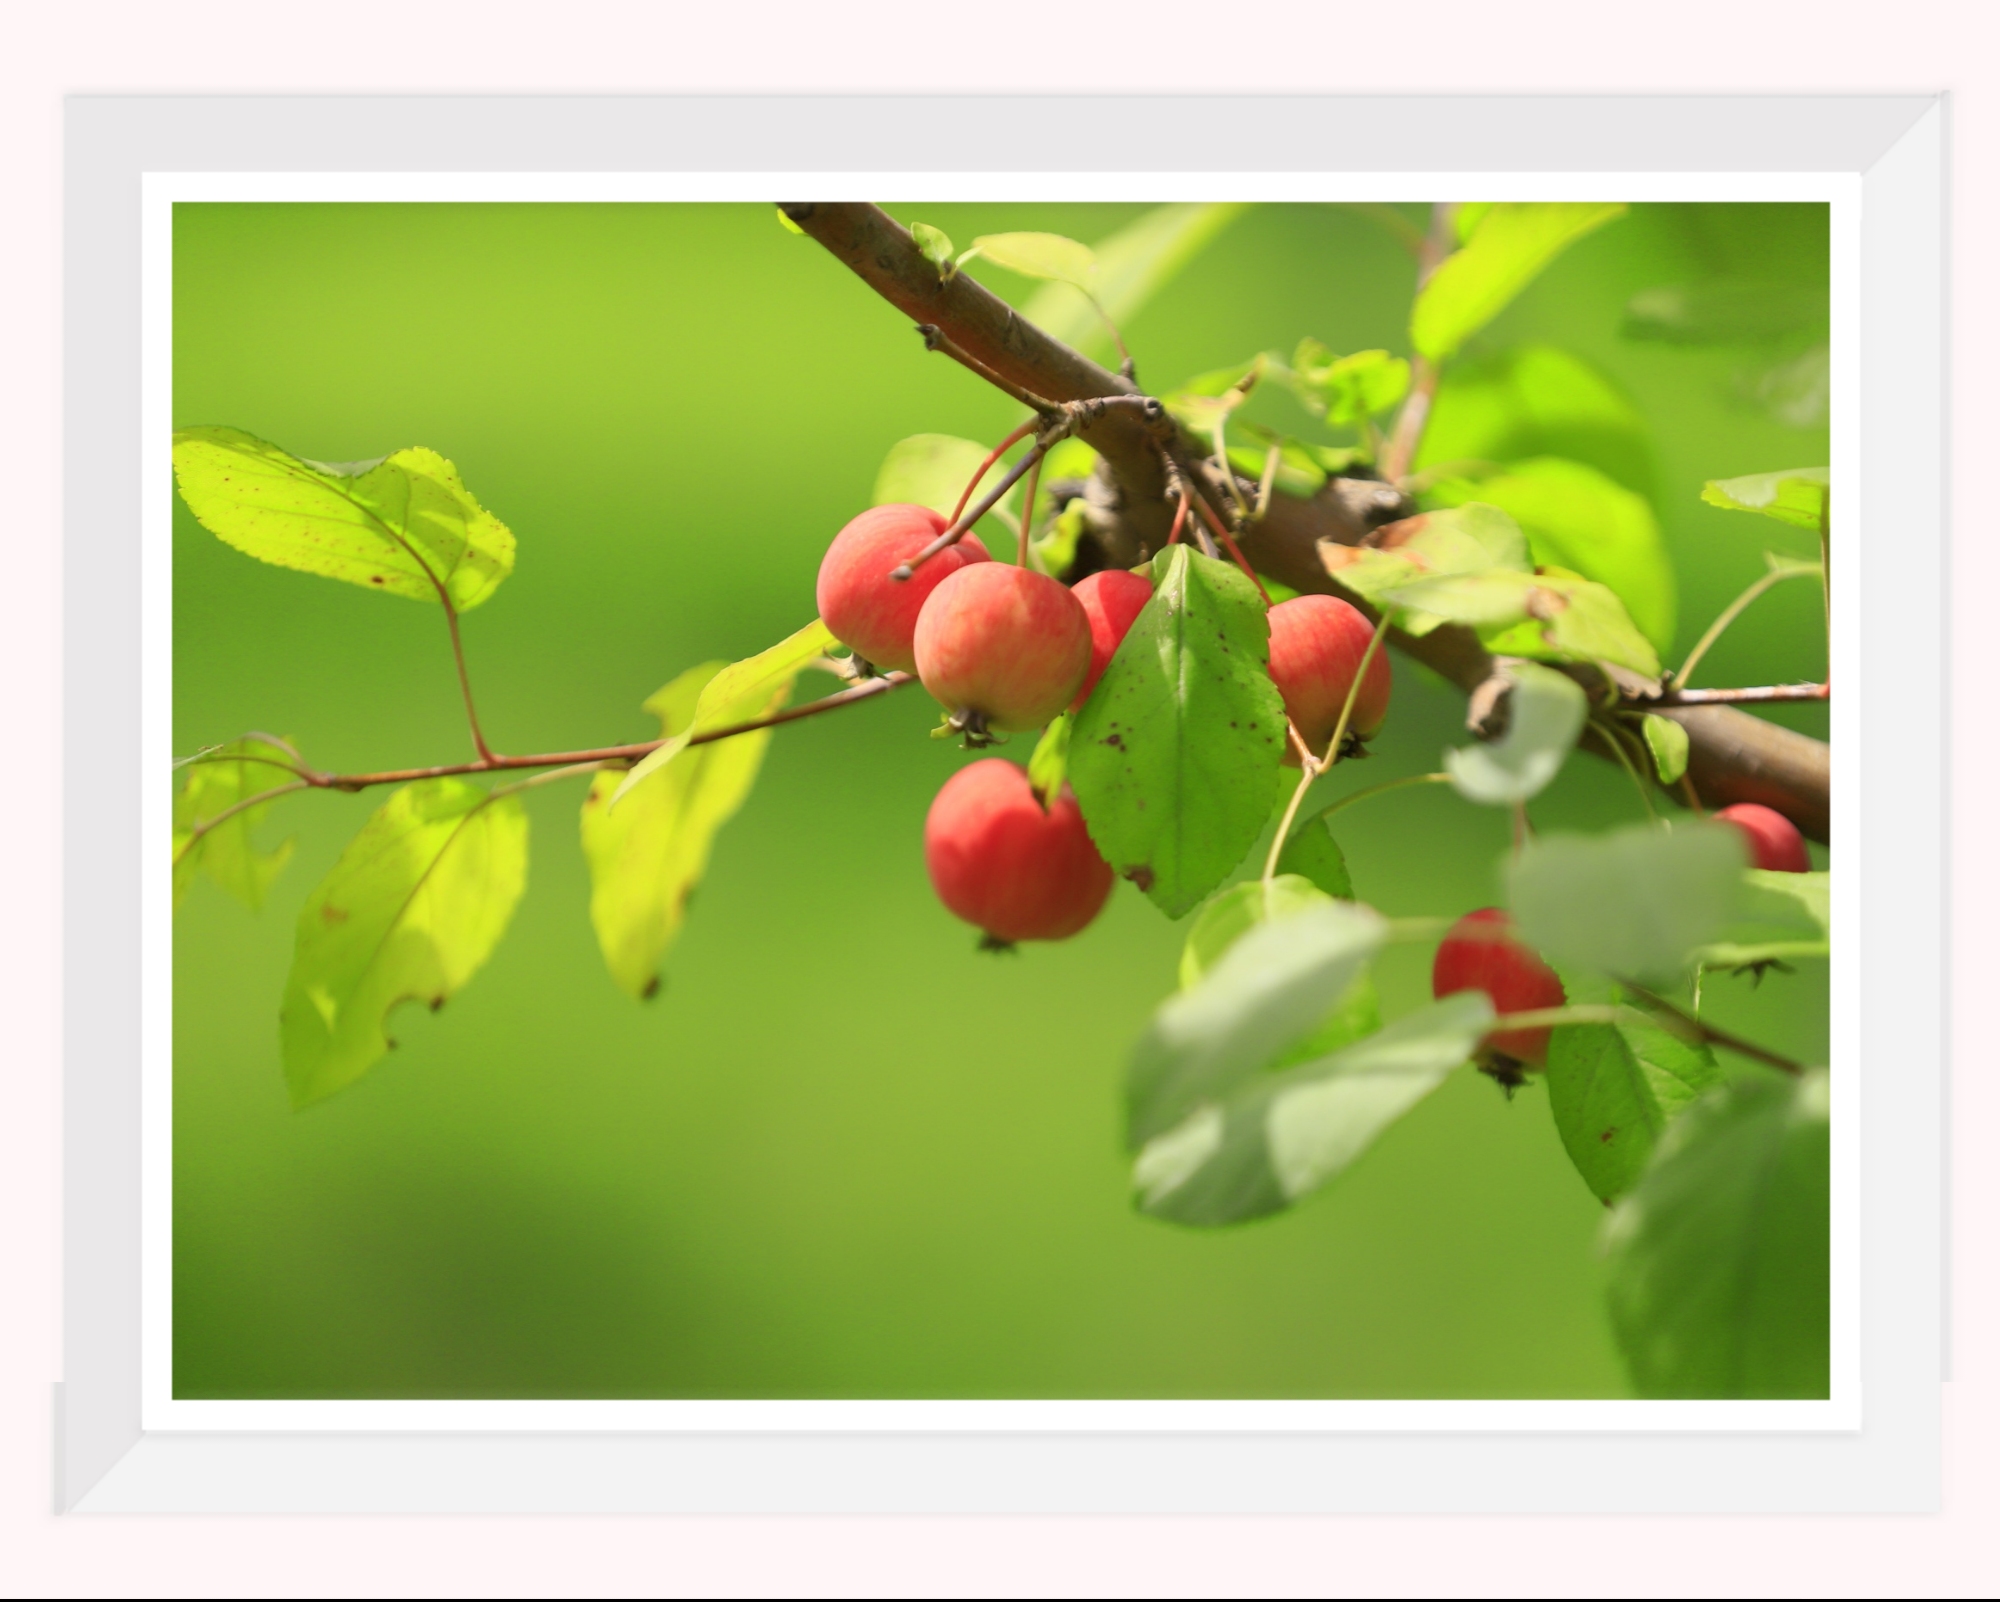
<point>1732,755</point>
<point>606,755</point>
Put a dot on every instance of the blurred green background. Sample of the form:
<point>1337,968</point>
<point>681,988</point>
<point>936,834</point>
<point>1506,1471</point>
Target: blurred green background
<point>843,1153</point>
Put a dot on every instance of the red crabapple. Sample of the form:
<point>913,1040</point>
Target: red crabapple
<point>1317,642</point>
<point>1000,860</point>
<point>1002,647</point>
<point>1112,600</point>
<point>870,613</point>
<point>1773,842</point>
<point>1480,952</point>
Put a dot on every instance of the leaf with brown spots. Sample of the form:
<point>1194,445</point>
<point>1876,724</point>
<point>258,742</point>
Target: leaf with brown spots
<point>1175,756</point>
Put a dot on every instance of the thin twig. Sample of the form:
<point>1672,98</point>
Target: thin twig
<point>602,755</point>
<point>1714,1036</point>
<point>1180,516</point>
<point>1761,694</point>
<point>1729,615</point>
<point>936,339</point>
<point>1408,433</point>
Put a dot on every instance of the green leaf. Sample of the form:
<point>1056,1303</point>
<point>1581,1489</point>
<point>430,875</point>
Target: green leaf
<point>217,779</point>
<point>1724,311</point>
<point>1614,1088</point>
<point>935,245</point>
<point>647,857</point>
<point>1208,398</point>
<point>1235,912</point>
<point>741,691</point>
<point>410,912</point>
<point>1039,256</point>
<point>1314,854</point>
<point>1546,712</point>
<point>1577,620</point>
<point>1634,903</point>
<point>1275,1138</point>
<point>1473,538</point>
<point>1780,916</point>
<point>1508,249</point>
<point>1048,768</point>
<point>1268,989</point>
<point>1668,742</point>
<point>1576,517</point>
<point>932,470</point>
<point>1174,757</point>
<point>1535,401</point>
<point>1348,390</point>
<point>1467,216</point>
<point>1133,265</point>
<point>1720,1257</point>
<point>391,525</point>
<point>1798,495</point>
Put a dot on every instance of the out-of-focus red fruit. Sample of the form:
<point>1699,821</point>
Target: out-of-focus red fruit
<point>999,860</point>
<point>1002,647</point>
<point>1317,642</point>
<point>1111,600</point>
<point>1480,952</point>
<point>1773,842</point>
<point>870,613</point>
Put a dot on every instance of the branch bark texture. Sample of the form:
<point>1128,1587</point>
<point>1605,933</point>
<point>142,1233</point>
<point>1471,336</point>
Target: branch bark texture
<point>1732,756</point>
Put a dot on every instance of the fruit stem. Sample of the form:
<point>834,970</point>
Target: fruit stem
<point>1345,801</point>
<point>1180,517</point>
<point>986,466</point>
<point>1612,736</point>
<point>959,526</point>
<point>1312,767</point>
<point>1028,505</point>
<point>1221,532</point>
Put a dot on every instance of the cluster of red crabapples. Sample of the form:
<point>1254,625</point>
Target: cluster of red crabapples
<point>1005,649</point>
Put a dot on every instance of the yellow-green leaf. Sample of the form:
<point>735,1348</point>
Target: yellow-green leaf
<point>218,779</point>
<point>395,524</point>
<point>1797,495</point>
<point>1505,251</point>
<point>412,910</point>
<point>1579,518</point>
<point>647,856</point>
<point>739,692</point>
<point>1039,256</point>
<point>1133,265</point>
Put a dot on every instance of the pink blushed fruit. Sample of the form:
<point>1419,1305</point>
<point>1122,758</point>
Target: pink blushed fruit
<point>872,614</point>
<point>1003,862</point>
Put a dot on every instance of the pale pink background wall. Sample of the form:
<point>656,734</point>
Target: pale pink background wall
<point>1083,45</point>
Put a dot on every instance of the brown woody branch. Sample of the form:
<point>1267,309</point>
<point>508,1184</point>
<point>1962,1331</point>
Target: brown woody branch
<point>1732,756</point>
